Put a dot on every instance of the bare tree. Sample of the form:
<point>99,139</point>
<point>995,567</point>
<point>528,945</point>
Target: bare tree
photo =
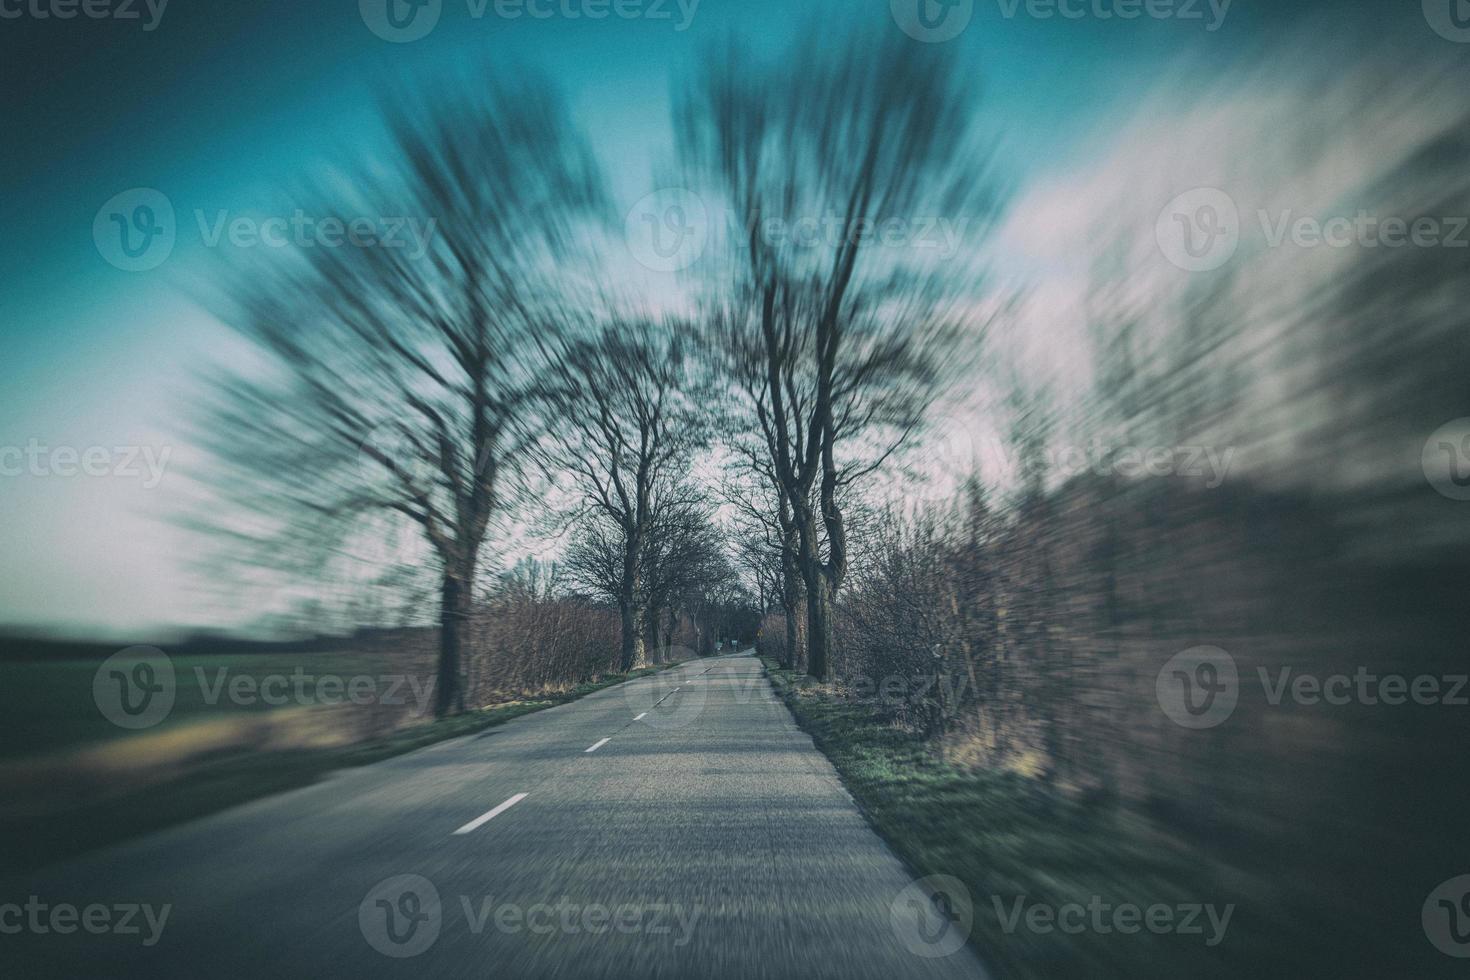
<point>769,545</point>
<point>683,560</point>
<point>835,342</point>
<point>623,427</point>
<point>393,381</point>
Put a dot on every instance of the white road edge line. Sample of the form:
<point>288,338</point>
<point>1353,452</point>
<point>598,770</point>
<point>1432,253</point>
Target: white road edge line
<point>598,744</point>
<point>640,717</point>
<point>485,817</point>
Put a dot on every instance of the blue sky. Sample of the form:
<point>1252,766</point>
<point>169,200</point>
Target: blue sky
<point>221,105</point>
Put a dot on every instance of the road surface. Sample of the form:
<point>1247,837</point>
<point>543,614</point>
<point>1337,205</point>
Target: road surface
<point>678,826</point>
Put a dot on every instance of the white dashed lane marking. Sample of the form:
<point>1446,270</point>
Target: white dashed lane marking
<point>486,817</point>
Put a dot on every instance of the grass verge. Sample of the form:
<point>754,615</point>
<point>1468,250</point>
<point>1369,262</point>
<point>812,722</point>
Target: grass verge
<point>1021,849</point>
<point>240,778</point>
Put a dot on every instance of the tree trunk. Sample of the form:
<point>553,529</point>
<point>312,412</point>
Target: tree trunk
<point>788,652</point>
<point>818,597</point>
<point>632,642</point>
<point>818,625</point>
<point>798,659</point>
<point>632,603</point>
<point>454,610</point>
<point>794,608</point>
<point>633,652</point>
<point>793,602</point>
<point>651,619</point>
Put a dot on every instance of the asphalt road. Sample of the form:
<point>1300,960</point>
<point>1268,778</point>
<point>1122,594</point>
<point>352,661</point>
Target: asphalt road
<point>676,826</point>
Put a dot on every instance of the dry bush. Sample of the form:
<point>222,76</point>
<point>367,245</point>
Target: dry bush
<point>1055,621</point>
<point>770,638</point>
<point>527,639</point>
